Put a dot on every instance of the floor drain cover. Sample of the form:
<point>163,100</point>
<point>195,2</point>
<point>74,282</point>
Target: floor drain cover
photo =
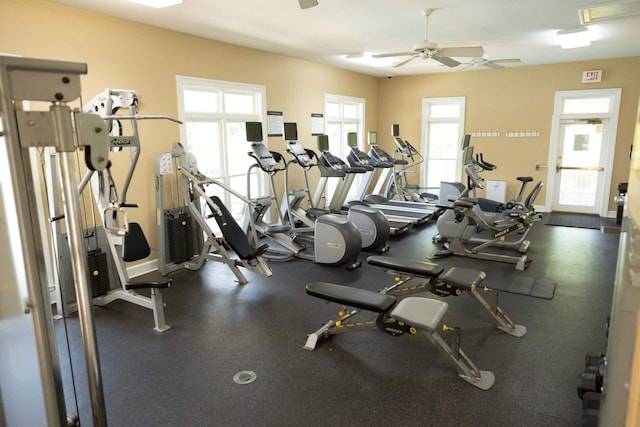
<point>244,377</point>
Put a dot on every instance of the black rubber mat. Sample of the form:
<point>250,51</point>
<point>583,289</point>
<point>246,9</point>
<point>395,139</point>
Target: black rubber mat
<point>573,220</point>
<point>524,285</point>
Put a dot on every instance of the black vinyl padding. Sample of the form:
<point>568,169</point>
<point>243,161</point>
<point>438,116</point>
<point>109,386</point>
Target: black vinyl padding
<point>463,278</point>
<point>233,233</point>
<point>135,245</point>
<point>352,297</point>
<point>147,285</point>
<point>419,268</point>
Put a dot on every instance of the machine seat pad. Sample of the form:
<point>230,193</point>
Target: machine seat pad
<point>422,313</point>
<point>465,202</point>
<point>462,277</point>
<point>352,297</point>
<point>419,268</point>
<point>147,285</point>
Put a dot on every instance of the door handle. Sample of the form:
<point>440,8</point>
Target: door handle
<point>579,168</point>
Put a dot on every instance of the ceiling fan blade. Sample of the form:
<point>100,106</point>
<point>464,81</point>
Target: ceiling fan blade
<point>445,60</point>
<point>506,61</point>
<point>493,64</point>
<point>401,63</point>
<point>392,54</point>
<point>464,52</point>
<point>306,4</point>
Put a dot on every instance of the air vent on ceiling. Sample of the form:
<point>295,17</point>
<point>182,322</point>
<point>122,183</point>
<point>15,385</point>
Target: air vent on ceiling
<point>607,12</point>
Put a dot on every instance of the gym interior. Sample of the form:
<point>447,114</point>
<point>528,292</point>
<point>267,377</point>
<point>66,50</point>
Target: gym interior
<point>456,340</point>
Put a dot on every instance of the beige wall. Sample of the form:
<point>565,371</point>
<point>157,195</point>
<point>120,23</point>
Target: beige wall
<point>512,99</point>
<point>123,54</point>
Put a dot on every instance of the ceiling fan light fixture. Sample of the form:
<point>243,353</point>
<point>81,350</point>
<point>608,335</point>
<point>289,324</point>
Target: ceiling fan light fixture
<point>574,38</point>
<point>158,4</point>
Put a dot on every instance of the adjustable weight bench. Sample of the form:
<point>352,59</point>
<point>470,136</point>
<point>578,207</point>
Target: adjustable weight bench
<point>394,318</point>
<point>454,281</point>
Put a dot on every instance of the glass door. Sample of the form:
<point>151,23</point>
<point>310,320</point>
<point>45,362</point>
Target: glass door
<point>579,167</point>
<point>583,142</point>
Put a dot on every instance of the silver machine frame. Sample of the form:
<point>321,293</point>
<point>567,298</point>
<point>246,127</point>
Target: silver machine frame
<point>193,182</point>
<point>116,107</point>
<point>67,130</point>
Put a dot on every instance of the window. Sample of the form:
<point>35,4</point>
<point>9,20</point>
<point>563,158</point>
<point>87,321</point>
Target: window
<point>343,114</point>
<point>442,130</point>
<point>214,114</point>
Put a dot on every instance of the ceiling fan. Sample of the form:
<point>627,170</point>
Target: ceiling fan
<point>427,49</point>
<point>491,63</point>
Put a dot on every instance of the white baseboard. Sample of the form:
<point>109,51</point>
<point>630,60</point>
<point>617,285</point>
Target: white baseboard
<point>143,268</point>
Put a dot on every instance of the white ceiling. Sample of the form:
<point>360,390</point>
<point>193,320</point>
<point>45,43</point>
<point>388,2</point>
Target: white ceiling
<point>327,33</point>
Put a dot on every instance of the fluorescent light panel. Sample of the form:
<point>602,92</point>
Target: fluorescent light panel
<point>157,3</point>
<point>570,39</point>
<point>608,11</point>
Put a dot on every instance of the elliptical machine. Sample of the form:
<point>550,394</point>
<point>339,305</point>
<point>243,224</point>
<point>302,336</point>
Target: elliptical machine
<point>335,241</point>
<point>373,226</point>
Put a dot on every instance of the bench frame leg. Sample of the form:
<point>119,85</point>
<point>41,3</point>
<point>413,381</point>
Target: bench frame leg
<point>483,380</point>
<point>503,322</point>
<point>330,328</point>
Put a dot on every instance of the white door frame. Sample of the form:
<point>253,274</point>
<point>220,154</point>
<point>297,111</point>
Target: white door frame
<point>609,140</point>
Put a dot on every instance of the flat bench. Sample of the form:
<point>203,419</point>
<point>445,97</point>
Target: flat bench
<point>394,317</point>
<point>453,281</point>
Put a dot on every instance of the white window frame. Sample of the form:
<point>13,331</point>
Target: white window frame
<point>341,120</point>
<point>424,137</point>
<point>223,87</point>
<point>359,121</point>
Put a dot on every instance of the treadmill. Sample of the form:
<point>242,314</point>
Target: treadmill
<point>379,159</point>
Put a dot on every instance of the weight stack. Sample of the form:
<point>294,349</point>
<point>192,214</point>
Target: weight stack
<point>98,272</point>
<point>180,234</point>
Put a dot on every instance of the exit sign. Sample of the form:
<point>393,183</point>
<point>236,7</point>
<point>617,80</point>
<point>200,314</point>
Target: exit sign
<point>592,76</point>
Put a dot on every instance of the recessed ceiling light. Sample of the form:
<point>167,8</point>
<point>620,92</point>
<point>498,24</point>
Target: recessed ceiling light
<point>368,60</point>
<point>157,3</point>
<point>570,39</point>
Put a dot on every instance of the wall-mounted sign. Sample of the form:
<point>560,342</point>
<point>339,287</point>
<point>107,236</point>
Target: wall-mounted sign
<point>592,76</point>
<point>317,124</point>
<point>275,126</point>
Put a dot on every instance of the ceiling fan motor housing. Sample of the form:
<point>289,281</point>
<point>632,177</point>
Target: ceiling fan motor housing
<point>421,47</point>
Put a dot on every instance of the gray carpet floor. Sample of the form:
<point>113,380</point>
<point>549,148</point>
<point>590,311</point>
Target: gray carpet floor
<point>184,377</point>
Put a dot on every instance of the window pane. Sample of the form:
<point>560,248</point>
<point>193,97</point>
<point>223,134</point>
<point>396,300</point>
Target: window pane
<point>440,170</point>
<point>443,143</point>
<point>332,109</point>
<point>350,111</point>
<point>439,111</point>
<point>203,141</point>
<point>586,105</point>
<point>200,101</point>
<point>239,103</point>
<point>335,136</point>
<point>237,149</point>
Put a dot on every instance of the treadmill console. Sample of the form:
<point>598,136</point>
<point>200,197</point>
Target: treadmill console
<point>332,161</point>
